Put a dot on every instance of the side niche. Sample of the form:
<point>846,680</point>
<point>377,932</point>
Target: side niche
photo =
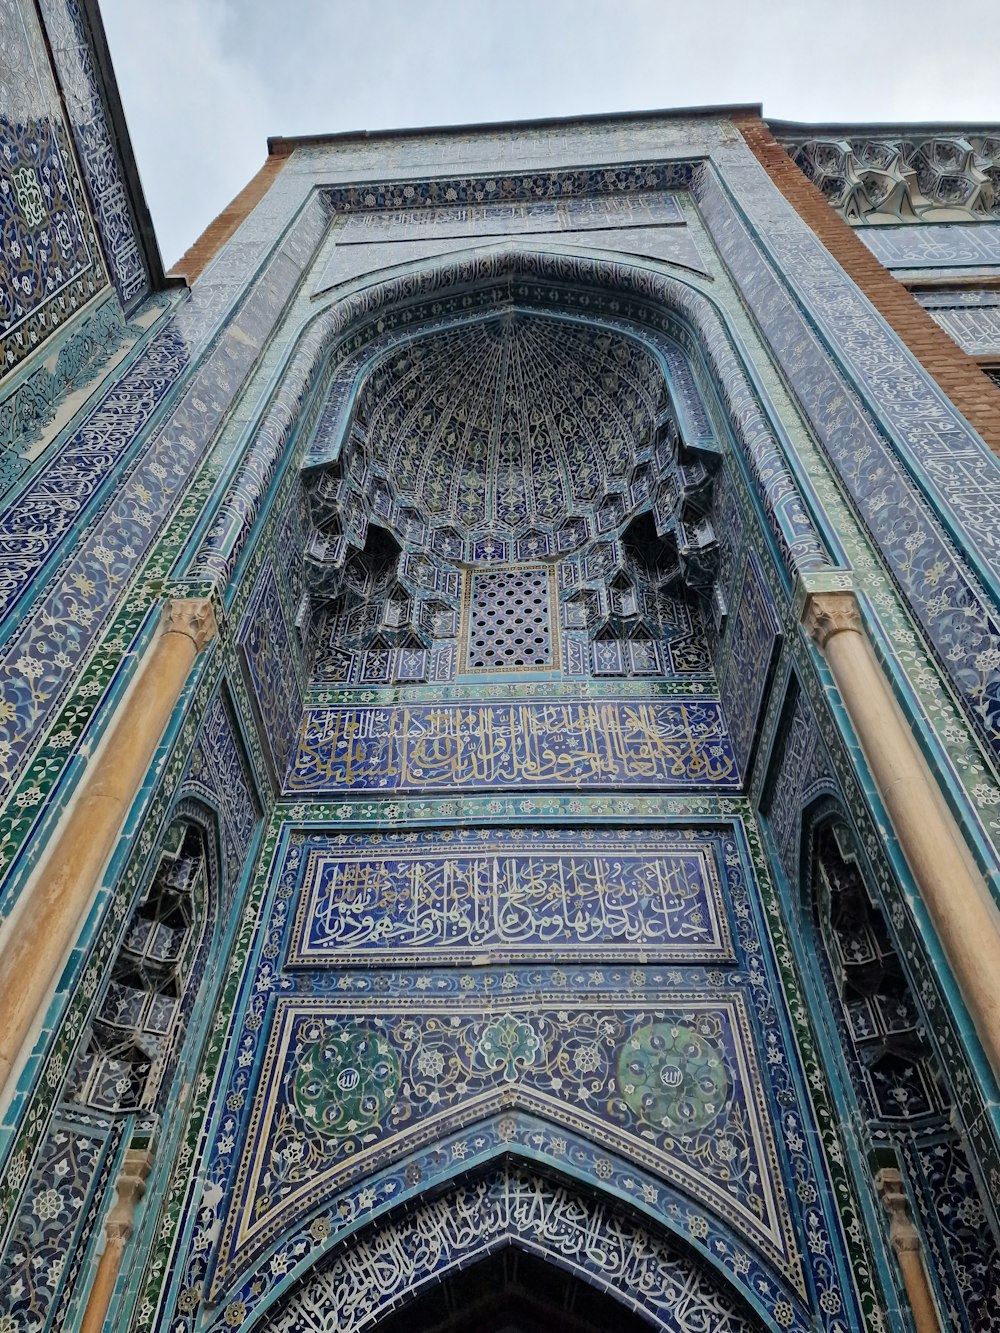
<point>141,1018</point>
<point>904,1106</point>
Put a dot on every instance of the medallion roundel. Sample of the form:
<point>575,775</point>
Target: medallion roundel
<point>672,1076</point>
<point>346,1081</point>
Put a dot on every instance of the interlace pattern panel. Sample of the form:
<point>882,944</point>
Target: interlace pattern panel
<point>508,620</point>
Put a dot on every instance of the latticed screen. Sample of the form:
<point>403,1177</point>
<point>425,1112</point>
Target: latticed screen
<point>508,619</point>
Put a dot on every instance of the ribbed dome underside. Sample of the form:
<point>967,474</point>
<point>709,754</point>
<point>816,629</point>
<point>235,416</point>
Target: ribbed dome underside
<point>512,423</point>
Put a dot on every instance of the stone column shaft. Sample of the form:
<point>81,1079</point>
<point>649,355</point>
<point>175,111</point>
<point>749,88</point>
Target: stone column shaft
<point>956,895</point>
<point>46,922</point>
<point>130,1187</point>
<point>905,1241</point>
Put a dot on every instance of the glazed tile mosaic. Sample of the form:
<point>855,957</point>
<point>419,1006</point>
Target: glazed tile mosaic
<point>478,894</point>
<point>972,318</point>
<point>508,617</point>
<point>546,1219</point>
<point>688,1092</point>
<point>51,261</point>
<point>509,872</point>
<point>492,747</point>
<point>936,247</point>
<point>75,66</point>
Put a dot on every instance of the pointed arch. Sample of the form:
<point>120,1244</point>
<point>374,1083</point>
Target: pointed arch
<point>316,381</point>
<point>513,1203</point>
<point>533,1145</point>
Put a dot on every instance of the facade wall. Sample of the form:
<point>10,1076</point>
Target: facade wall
<point>830,460</point>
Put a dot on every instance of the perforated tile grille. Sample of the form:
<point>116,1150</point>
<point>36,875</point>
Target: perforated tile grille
<point>508,620</point>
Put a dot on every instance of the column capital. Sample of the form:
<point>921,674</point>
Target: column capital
<point>193,616</point>
<point>830,613</point>
<point>902,1233</point>
<point>129,1189</point>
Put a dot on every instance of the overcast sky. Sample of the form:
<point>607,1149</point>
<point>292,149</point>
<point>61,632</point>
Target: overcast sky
<point>204,82</point>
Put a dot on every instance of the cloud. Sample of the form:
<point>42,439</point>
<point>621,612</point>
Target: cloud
<point>199,114</point>
<point>204,82</point>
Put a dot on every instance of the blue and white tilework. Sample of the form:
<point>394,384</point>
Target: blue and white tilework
<point>936,246</point>
<point>220,770</point>
<point>50,1233</point>
<point>52,264</point>
<point>72,53</point>
<point>529,936</point>
<point>971,317</point>
<point>918,443</point>
<point>750,650</point>
<point>514,1207</point>
<point>275,669</point>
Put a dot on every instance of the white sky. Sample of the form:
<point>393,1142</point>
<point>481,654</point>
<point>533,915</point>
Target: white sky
<point>204,82</point>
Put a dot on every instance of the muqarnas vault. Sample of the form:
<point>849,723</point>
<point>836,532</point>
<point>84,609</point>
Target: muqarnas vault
<point>499,726</point>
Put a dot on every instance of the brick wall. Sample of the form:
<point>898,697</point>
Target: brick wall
<point>214,237</point>
<point>973,393</point>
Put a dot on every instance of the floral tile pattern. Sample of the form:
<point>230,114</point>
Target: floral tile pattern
<point>482,935</point>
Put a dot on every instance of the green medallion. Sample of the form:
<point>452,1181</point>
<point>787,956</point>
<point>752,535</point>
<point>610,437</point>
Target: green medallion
<point>672,1076</point>
<point>346,1081</point>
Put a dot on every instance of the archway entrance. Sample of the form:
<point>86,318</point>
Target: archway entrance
<point>513,1291</point>
<point>516,1252</point>
<point>513,902</point>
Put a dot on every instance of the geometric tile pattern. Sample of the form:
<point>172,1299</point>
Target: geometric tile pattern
<point>71,49</point>
<point>508,619</point>
<point>50,262</point>
<point>341,1082</point>
<point>800,773</point>
<point>354,1087</point>
<point>30,532</point>
<point>220,769</point>
<point>964,1251</point>
<point>905,178</point>
<point>511,422</point>
<point>930,441</point>
<point>270,656</point>
<point>34,400</point>
<point>121,534</point>
<point>753,643</point>
<point>688,1037</point>
<point>53,1226</point>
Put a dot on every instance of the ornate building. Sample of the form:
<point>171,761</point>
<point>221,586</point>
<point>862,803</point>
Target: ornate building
<point>499,726</point>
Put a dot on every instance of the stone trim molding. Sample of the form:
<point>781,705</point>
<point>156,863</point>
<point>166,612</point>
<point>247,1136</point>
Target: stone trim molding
<point>191,616</point>
<point>954,892</point>
<point>908,1246</point>
<point>831,613</point>
<point>35,939</point>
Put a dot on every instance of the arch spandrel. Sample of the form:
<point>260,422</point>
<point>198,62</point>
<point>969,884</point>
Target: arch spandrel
<point>675,1086</point>
<point>281,1185</point>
